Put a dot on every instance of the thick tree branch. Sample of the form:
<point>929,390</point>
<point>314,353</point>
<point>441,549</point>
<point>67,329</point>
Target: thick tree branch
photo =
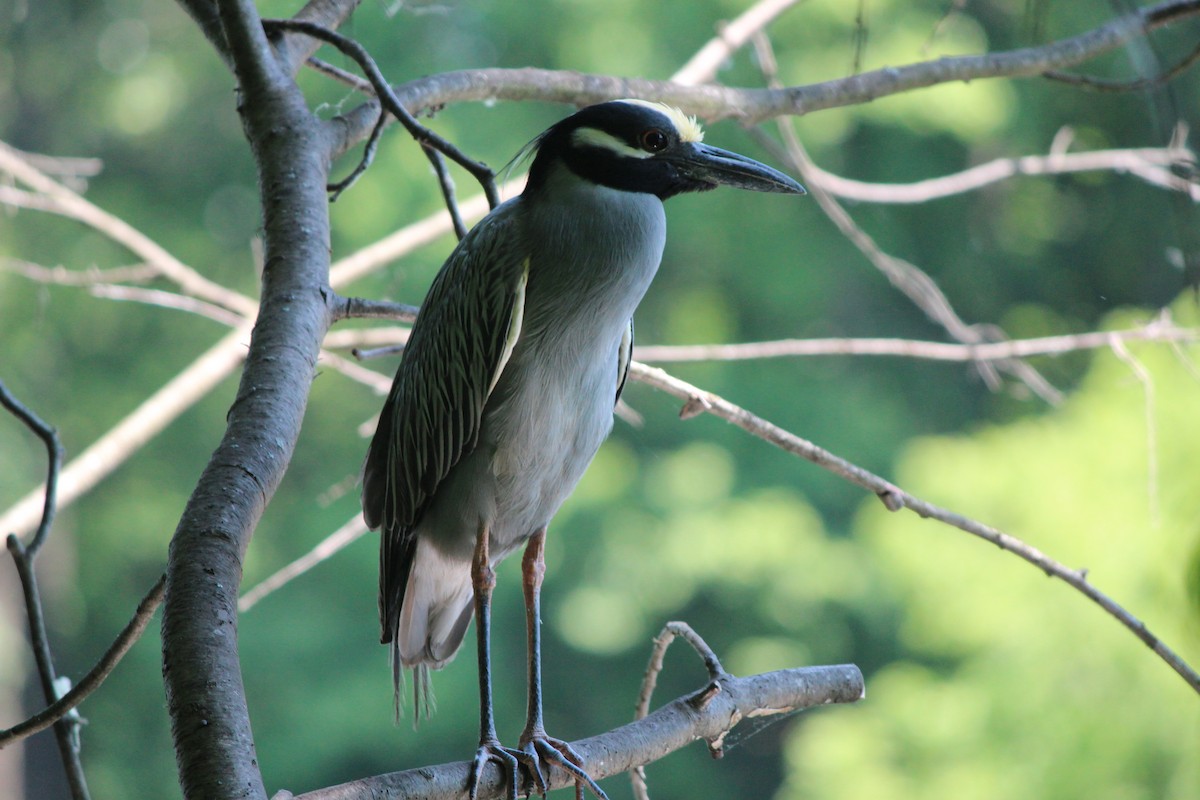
<point>295,49</point>
<point>202,673</point>
<point>751,106</point>
<point>706,714</point>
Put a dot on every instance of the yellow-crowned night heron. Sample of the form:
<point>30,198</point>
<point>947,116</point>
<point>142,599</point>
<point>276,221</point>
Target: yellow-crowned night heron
<point>508,383</point>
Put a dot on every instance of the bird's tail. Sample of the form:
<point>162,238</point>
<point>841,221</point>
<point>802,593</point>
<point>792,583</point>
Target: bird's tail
<point>424,702</point>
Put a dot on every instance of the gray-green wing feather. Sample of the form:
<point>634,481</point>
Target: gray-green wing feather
<point>459,345</point>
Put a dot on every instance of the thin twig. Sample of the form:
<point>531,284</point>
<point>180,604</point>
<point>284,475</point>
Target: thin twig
<point>366,337</point>
<point>61,276</point>
<point>367,377</point>
<point>54,457</point>
<point>716,672</point>
<point>68,203</point>
<point>1147,383</point>
<point>162,299</point>
<point>368,353</point>
<point>362,308</point>
<point>368,157</point>
<point>907,277</point>
<point>1140,162</point>
<point>661,642</point>
<point>1156,331</point>
<point>65,730</point>
<point>731,37</point>
<point>894,498</point>
<point>324,550</point>
<point>446,184</point>
<point>342,76</point>
<point>1137,85</point>
<point>132,631</point>
<point>383,91</point>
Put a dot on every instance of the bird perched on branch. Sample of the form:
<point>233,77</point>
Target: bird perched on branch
<point>507,389</point>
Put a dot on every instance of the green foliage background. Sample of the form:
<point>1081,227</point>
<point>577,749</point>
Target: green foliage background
<point>984,679</point>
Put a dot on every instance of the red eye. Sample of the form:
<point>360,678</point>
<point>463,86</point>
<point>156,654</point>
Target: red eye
<point>654,140</point>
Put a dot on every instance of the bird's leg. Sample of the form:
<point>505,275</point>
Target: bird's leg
<point>483,580</point>
<point>537,747</point>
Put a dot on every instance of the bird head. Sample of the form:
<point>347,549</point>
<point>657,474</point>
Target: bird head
<point>639,146</point>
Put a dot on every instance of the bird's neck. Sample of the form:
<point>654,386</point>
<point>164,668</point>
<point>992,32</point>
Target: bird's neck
<point>593,244</point>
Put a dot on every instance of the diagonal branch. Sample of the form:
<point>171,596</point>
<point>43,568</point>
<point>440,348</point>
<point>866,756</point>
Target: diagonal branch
<point>706,714</point>
<point>698,401</point>
<point>61,707</point>
<point>68,203</point>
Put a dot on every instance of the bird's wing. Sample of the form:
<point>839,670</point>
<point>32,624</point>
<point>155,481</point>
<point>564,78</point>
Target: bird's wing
<point>624,356</point>
<point>459,346</point>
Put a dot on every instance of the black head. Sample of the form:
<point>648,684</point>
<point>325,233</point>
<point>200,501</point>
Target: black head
<point>638,146</point>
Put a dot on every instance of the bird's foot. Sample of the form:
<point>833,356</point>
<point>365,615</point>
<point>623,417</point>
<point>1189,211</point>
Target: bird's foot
<point>505,757</point>
<point>536,754</point>
<point>538,751</point>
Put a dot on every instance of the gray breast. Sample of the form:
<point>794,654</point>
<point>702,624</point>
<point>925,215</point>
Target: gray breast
<point>594,252</point>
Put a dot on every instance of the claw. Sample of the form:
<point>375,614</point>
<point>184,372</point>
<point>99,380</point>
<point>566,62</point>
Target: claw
<point>535,755</point>
<point>542,749</point>
<point>504,757</point>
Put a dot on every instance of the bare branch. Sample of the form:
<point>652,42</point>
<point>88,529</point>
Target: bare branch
<point>366,337</point>
<point>1142,162</point>
<point>96,675</point>
<point>72,171</point>
<point>157,297</point>
<point>342,76</point>
<point>913,282</point>
<point>716,672</point>
<point>368,157</point>
<point>361,308</point>
<point>894,498</point>
<point>1147,383</point>
<point>752,106</point>
<point>1138,85</point>
<point>703,715</point>
<point>1159,330</point>
<point>325,549</point>
<point>217,363</point>
<point>295,49</point>
<point>731,37</point>
<point>65,733</point>
<point>61,276</point>
<point>661,642</point>
<point>206,700</point>
<point>380,384</point>
<point>446,184</point>
<point>70,204</point>
<point>135,430</point>
<point>383,92</point>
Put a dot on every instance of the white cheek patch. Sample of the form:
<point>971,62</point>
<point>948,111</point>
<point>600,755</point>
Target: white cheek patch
<point>594,137</point>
